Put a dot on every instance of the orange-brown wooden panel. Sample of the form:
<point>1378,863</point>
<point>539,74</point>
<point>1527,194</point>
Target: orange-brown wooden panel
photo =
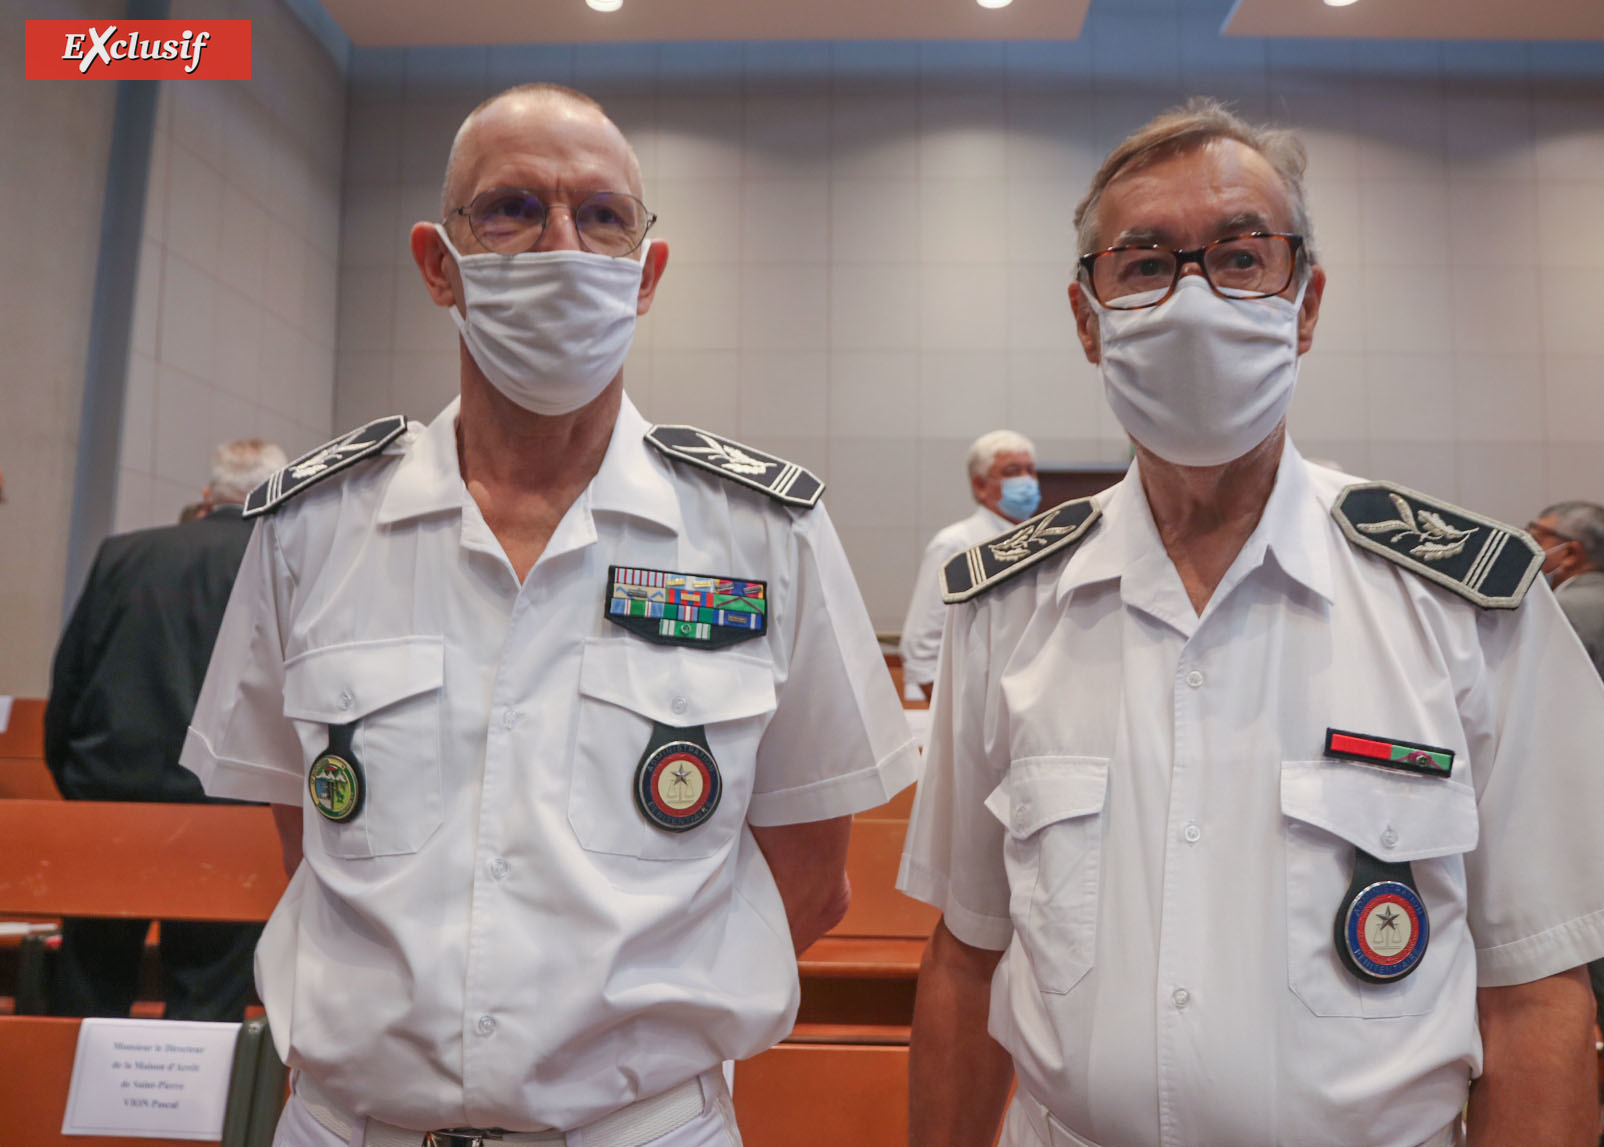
<point>24,734</point>
<point>878,909</point>
<point>899,807</point>
<point>167,861</point>
<point>805,1094</point>
<point>36,1054</point>
<point>862,957</point>
<point>26,778</point>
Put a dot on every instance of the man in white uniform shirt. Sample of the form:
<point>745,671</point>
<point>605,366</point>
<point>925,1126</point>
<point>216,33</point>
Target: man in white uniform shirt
<point>573,712</point>
<point>1261,805</point>
<point>1002,479</point>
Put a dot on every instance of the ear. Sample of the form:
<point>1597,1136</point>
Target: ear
<point>651,273</point>
<point>977,486</point>
<point>439,269</point>
<point>1309,312</point>
<point>1085,322</point>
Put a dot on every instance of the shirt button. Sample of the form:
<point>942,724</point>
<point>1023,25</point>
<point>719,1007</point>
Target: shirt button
<point>679,705</point>
<point>1388,837</point>
<point>486,1025</point>
<point>509,718</point>
<point>1193,834</point>
<point>346,700</point>
<point>1180,997</point>
<point>1194,679</point>
<point>499,868</point>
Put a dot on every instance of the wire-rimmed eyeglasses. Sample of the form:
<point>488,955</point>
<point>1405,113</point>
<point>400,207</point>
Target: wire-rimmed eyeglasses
<point>510,220</point>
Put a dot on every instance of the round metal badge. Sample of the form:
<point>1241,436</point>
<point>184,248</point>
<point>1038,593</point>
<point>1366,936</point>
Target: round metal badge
<point>1385,932</point>
<point>337,787</point>
<point>677,785</point>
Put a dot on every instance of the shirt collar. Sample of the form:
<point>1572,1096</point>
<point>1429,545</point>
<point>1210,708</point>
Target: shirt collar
<point>1125,543</point>
<point>631,480</point>
<point>427,481</point>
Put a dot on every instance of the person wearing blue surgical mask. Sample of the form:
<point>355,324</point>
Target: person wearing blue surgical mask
<point>1002,480</point>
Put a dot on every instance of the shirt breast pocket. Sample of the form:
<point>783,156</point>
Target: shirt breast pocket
<point>625,688</point>
<point>390,690</point>
<point>1052,808</point>
<point>1329,810</point>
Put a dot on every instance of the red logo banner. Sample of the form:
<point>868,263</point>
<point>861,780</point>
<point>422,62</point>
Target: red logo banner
<point>137,50</point>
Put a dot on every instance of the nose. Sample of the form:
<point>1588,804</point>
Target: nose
<point>559,232</point>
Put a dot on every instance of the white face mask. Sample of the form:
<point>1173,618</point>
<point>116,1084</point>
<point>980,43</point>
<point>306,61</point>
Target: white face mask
<point>1200,380</point>
<point>550,329</point>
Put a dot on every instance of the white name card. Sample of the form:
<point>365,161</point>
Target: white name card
<point>150,1079</point>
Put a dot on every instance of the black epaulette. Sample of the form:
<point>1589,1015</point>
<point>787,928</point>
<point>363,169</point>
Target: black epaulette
<point>781,480</point>
<point>1481,560</point>
<point>330,458</point>
<point>995,560</point>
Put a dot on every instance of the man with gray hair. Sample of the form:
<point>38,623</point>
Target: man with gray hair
<point>1261,803</point>
<point>1002,481</point>
<point>123,686</point>
<point>1572,537</point>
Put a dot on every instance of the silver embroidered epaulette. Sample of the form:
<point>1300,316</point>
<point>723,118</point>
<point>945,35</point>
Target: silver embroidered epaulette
<point>995,560</point>
<point>1484,561</point>
<point>781,480</point>
<point>330,458</point>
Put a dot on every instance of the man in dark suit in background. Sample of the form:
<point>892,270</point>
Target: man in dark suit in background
<point>122,689</point>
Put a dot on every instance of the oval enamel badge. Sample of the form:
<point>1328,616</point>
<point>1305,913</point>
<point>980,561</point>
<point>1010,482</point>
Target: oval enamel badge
<point>677,785</point>
<point>1385,932</point>
<point>335,784</point>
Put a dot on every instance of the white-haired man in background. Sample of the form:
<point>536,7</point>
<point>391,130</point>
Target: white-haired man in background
<point>1002,478</point>
<point>122,689</point>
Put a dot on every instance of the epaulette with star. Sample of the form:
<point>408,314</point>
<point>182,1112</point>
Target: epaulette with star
<point>783,481</point>
<point>330,458</point>
<point>995,560</point>
<point>1481,560</point>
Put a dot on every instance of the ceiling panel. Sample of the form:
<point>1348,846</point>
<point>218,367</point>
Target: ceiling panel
<point>393,22</point>
<point>1422,19</point>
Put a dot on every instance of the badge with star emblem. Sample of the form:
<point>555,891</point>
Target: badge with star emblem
<point>677,783</point>
<point>1381,927</point>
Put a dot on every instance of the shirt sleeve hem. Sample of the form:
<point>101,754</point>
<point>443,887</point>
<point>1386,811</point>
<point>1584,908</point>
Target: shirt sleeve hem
<point>237,780</point>
<point>1558,949</point>
<point>838,796</point>
<point>973,928</point>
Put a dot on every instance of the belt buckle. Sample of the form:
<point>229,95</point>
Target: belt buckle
<point>461,1137</point>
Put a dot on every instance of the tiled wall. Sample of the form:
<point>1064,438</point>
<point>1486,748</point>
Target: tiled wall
<point>52,180</point>
<point>234,321</point>
<point>870,245</point>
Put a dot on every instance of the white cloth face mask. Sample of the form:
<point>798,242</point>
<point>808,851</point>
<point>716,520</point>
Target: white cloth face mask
<point>549,329</point>
<point>1200,380</point>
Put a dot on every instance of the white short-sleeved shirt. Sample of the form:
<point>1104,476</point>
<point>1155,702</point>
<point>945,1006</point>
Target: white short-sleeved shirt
<point>500,938</point>
<point>921,629</point>
<point>1134,801</point>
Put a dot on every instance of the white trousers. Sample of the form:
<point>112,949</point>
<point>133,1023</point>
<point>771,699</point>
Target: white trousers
<point>714,1127</point>
<point>1030,1124</point>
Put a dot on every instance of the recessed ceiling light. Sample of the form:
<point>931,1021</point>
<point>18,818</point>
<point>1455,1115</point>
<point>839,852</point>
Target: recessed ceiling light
<point>611,5</point>
<point>994,3</point>
<point>1340,3</point>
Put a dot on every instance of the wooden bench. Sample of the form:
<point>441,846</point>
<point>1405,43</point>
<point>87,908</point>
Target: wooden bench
<point>858,980</point>
<point>803,1095</point>
<point>22,754</point>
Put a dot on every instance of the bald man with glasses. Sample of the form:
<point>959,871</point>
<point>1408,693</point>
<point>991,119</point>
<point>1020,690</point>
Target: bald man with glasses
<point>568,713</point>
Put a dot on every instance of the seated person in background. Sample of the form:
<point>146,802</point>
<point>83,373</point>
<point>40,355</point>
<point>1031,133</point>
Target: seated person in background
<point>1002,478</point>
<point>126,676</point>
<point>1572,537</point>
